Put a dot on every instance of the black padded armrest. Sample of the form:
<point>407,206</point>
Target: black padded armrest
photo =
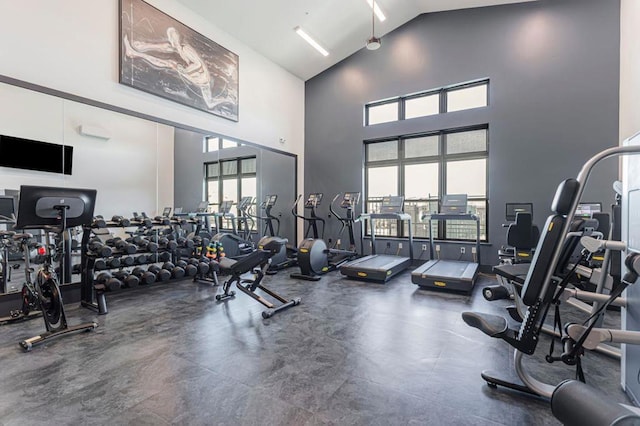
<point>491,325</point>
<point>575,403</point>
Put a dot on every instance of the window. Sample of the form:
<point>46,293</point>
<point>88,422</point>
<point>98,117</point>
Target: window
<point>467,98</point>
<point>215,143</point>
<point>433,102</point>
<point>423,168</point>
<point>230,179</point>
<point>382,113</point>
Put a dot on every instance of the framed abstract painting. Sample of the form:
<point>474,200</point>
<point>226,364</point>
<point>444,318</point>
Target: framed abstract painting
<point>164,57</point>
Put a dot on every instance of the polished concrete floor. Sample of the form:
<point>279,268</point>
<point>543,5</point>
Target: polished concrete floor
<point>352,353</point>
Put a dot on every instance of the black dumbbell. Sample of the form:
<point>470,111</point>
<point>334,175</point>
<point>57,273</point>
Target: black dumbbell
<point>164,256</point>
<point>201,265</point>
<point>114,263</point>
<point>144,243</point>
<point>145,277</point>
<point>129,280</point>
<point>127,261</point>
<point>109,282</point>
<point>121,221</point>
<point>141,259</point>
<point>122,245</point>
<point>142,220</point>
<point>98,222</point>
<point>176,271</point>
<point>185,242</point>
<point>161,274</point>
<point>167,244</point>
<point>162,220</point>
<point>189,269</point>
<point>100,265</point>
<point>100,249</point>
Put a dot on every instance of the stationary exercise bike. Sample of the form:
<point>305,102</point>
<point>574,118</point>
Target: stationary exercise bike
<point>53,210</point>
<point>314,257</point>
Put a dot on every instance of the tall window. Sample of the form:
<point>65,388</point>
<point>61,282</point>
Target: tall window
<point>423,168</point>
<point>230,179</point>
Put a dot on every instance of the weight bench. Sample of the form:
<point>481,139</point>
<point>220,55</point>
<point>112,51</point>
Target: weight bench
<point>258,263</point>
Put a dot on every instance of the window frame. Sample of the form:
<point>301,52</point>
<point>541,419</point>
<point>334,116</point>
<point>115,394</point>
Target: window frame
<point>441,92</point>
<point>442,158</point>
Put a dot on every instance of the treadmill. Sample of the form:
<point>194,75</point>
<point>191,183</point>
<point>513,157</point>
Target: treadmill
<point>381,267</point>
<point>455,275</point>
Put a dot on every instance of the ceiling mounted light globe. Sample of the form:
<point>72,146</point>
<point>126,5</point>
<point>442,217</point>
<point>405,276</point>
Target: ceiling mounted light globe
<point>373,43</point>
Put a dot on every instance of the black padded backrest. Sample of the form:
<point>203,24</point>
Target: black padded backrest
<point>604,223</point>
<point>565,196</point>
<point>571,242</point>
<point>551,238</point>
<point>520,233</point>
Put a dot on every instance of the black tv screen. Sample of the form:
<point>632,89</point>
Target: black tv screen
<point>28,154</point>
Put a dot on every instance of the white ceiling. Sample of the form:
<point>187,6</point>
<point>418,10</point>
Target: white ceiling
<point>340,26</point>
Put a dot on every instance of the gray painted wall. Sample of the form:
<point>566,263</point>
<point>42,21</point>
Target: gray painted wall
<point>554,72</point>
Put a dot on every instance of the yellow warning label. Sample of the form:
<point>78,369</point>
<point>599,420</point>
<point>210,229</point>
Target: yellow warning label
<point>302,250</point>
<point>523,254</point>
<point>550,227</point>
<point>362,274</point>
<point>325,269</point>
<point>440,283</point>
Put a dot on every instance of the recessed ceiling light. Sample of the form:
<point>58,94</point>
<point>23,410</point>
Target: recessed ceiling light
<point>311,41</point>
<point>377,10</point>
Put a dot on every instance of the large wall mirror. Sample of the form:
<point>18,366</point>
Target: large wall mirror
<point>138,163</point>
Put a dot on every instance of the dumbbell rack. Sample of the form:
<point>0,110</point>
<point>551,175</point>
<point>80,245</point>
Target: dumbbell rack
<point>92,294</point>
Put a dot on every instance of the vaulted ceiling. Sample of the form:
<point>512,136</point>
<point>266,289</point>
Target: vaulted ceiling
<point>340,26</point>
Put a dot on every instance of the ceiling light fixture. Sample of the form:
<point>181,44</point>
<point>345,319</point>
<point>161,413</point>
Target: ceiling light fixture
<point>377,10</point>
<point>374,42</point>
<point>311,41</point>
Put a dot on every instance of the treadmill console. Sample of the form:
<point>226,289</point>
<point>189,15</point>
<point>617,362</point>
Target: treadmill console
<point>454,204</point>
<point>313,200</point>
<point>512,208</point>
<point>166,212</point>
<point>350,200</point>
<point>202,207</point>
<point>392,204</point>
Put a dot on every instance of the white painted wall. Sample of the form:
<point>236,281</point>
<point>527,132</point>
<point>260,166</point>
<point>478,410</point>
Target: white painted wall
<point>629,68</point>
<point>132,171</point>
<point>72,46</point>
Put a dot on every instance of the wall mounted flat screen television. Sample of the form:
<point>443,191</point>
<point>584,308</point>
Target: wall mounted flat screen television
<point>28,154</point>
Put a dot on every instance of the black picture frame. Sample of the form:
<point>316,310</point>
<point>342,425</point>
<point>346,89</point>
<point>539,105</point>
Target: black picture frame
<point>162,56</point>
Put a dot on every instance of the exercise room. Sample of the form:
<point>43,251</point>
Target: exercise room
<point>363,212</point>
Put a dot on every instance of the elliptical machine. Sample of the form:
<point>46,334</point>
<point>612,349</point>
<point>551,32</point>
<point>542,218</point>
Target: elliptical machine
<point>234,244</point>
<point>286,255</point>
<point>314,257</point>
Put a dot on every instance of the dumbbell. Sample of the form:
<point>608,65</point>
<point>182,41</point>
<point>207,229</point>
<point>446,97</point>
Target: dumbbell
<point>98,222</point>
<point>168,244</point>
<point>144,221</point>
<point>121,221</point>
<point>100,264</point>
<point>141,259</point>
<point>176,271</point>
<point>162,220</point>
<point>97,247</point>
<point>127,261</point>
<point>108,282</point>
<point>129,280</point>
<point>201,266</point>
<point>145,277</point>
<point>122,245</point>
<point>114,262</point>
<point>164,256</point>
<point>144,243</point>
<point>161,274</point>
<point>185,242</point>
<point>189,269</point>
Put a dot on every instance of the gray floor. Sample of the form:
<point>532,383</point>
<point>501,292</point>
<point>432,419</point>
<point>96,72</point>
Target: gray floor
<point>352,353</point>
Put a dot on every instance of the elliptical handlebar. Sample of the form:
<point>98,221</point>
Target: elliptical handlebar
<point>312,219</point>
